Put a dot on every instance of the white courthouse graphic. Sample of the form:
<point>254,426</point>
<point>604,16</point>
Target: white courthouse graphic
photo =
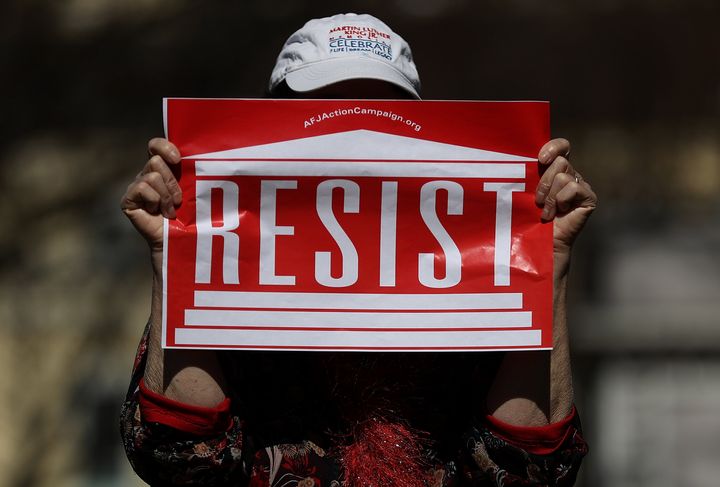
<point>338,318</point>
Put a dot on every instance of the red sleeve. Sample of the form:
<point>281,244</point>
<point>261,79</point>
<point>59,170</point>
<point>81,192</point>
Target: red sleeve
<point>540,440</point>
<point>201,421</point>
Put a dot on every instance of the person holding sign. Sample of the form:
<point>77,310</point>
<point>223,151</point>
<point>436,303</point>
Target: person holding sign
<point>204,417</point>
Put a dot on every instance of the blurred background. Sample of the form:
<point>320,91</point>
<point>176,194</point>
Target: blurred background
<point>634,84</point>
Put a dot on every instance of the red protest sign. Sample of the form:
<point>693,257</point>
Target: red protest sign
<point>357,225</point>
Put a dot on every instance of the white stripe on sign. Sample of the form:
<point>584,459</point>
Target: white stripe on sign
<point>302,339</point>
<point>357,301</point>
<point>360,169</point>
<point>329,319</point>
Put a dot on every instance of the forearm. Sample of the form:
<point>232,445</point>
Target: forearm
<point>561,388</point>
<point>189,376</point>
<point>535,388</point>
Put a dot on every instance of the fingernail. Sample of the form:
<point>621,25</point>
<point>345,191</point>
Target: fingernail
<point>545,214</point>
<point>544,156</point>
<point>174,154</point>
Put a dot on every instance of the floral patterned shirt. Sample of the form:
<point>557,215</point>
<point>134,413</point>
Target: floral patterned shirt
<point>291,412</point>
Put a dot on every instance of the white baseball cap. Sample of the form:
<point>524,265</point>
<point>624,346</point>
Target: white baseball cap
<point>343,47</point>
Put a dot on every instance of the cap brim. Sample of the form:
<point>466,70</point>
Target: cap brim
<point>323,73</point>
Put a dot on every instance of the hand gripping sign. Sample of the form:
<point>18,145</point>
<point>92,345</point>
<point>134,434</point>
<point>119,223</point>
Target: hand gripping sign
<point>357,225</point>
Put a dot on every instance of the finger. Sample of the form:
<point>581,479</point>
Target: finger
<point>559,166</point>
<point>141,196</point>
<point>550,207</point>
<point>552,149</point>
<point>165,149</point>
<point>156,181</point>
<point>574,195</point>
<point>158,164</point>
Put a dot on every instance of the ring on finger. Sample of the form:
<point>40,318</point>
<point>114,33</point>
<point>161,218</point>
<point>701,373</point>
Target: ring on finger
<point>578,178</point>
